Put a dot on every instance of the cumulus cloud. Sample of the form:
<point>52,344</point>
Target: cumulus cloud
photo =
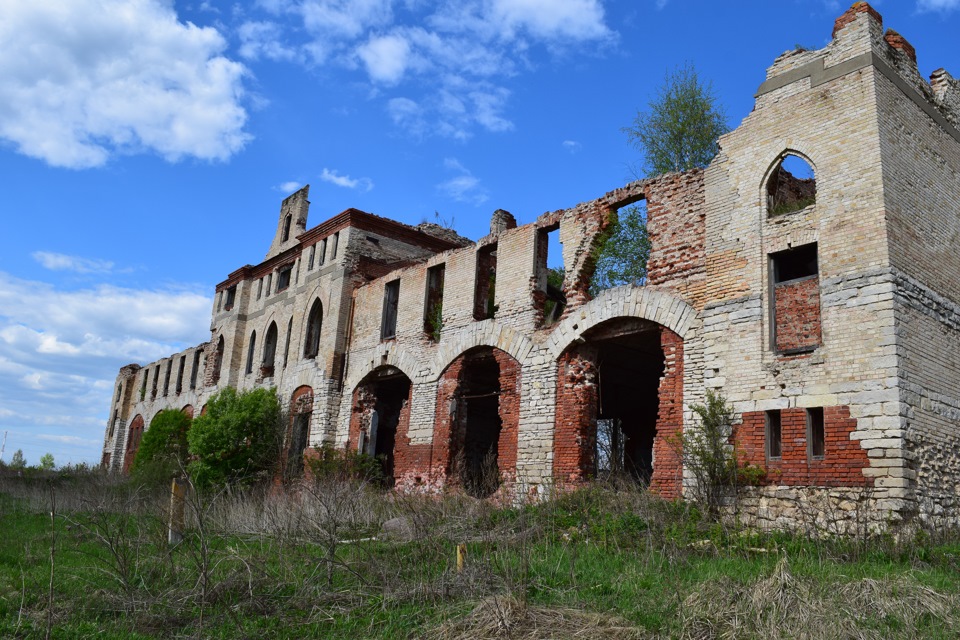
<point>463,187</point>
<point>385,58</point>
<point>264,40</point>
<point>551,19</point>
<point>572,146</point>
<point>334,177</point>
<point>62,262</point>
<point>289,187</point>
<point>83,80</point>
<point>938,5</point>
<point>60,351</point>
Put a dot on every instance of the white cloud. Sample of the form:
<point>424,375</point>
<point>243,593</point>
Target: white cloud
<point>264,40</point>
<point>344,18</point>
<point>551,19</point>
<point>83,80</point>
<point>572,146</point>
<point>385,58</point>
<point>464,187</point>
<point>62,262</point>
<point>333,177</point>
<point>938,5</point>
<point>289,187</point>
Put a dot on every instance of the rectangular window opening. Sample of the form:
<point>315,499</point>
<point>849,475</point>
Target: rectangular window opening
<point>391,299</point>
<point>484,298</point>
<point>433,307</point>
<point>550,275</point>
<point>231,298</point>
<point>816,435</point>
<point>166,378</point>
<point>323,251</point>
<point>336,242</point>
<point>313,251</point>
<point>795,284</point>
<point>283,278</point>
<point>183,365</point>
<point>196,368</point>
<point>269,284</point>
<point>259,288</point>
<point>774,435</point>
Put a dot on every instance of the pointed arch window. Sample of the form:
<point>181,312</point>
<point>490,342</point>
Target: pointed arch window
<point>269,351</point>
<point>311,346</point>
<point>286,344</point>
<point>791,187</point>
<point>251,350</point>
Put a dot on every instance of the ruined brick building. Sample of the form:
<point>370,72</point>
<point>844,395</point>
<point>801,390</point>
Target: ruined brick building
<point>826,310</point>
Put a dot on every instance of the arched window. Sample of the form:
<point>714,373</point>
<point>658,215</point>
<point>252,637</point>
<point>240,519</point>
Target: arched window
<point>269,350</point>
<point>286,345</point>
<point>286,228</point>
<point>251,350</point>
<point>311,346</point>
<point>791,186</point>
<point>218,361</point>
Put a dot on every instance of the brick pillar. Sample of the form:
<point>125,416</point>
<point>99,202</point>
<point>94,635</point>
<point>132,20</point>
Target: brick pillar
<point>509,415</point>
<point>575,430</point>
<point>667,479</point>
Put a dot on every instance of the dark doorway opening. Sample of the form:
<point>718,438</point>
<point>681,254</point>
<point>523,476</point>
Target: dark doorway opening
<point>301,410</point>
<point>388,392</point>
<point>630,363</point>
<point>477,457</point>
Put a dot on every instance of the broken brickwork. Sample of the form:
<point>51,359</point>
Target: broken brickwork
<point>820,304</point>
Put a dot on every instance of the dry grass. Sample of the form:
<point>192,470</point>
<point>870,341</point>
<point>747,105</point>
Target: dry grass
<point>507,617</point>
<point>783,605</point>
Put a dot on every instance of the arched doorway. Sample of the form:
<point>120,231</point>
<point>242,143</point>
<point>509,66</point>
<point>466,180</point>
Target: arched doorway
<point>478,416</point>
<point>134,435</point>
<point>619,399</point>
<point>381,408</point>
<point>298,435</point>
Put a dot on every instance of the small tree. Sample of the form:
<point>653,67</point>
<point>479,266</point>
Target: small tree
<point>708,454</point>
<point>18,462</point>
<point>622,257</point>
<point>47,463</point>
<point>163,450</point>
<point>679,131</point>
<point>237,438</point>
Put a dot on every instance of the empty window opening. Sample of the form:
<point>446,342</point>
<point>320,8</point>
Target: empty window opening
<point>269,351</point>
<point>219,302</point>
<point>143,387</point>
<point>259,288</point>
<point>269,284</point>
<point>134,435</point>
<point>113,423</point>
<point>433,307</point>
<point>311,345</point>
<point>286,344</point>
<point>333,248</point>
<point>391,301</point>
<point>196,368</point>
<point>119,392</point>
<point>774,436</point>
<point>283,278</point>
<point>485,291</point>
<point>816,436</point>
<point>313,251</point>
<point>251,350</point>
<point>383,398</point>
<point>231,298</point>
<point>548,297</point>
<point>218,361</point>
<point>286,228</point>
<point>323,251</point>
<point>796,299</point>
<point>180,370</point>
<point>791,186</point>
<point>156,382</point>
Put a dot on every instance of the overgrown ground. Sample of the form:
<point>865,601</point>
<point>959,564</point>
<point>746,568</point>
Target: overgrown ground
<point>596,563</point>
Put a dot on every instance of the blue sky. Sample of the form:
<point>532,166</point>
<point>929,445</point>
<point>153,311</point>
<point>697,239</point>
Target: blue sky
<point>145,145</point>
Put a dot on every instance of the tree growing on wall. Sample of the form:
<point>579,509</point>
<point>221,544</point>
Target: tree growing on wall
<point>163,451</point>
<point>677,132</point>
<point>237,439</point>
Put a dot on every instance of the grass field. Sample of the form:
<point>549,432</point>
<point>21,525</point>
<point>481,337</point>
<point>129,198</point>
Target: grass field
<point>595,563</point>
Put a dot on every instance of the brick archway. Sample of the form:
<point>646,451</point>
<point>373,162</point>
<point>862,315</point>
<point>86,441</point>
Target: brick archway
<point>477,421</point>
<point>380,423</point>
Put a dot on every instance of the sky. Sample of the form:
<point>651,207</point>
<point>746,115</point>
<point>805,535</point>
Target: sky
<point>145,145</point>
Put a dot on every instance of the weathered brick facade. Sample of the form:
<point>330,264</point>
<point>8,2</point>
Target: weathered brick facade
<point>829,305</point>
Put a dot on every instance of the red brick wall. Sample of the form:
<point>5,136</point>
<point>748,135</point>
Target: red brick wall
<point>575,429</point>
<point>843,461</point>
<point>677,226</point>
<point>133,442</point>
<point>509,414</point>
<point>667,479</point>
<point>797,314</point>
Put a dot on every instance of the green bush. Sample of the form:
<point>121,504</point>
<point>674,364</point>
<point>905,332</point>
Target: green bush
<point>163,451</point>
<point>238,438</point>
<point>329,463</point>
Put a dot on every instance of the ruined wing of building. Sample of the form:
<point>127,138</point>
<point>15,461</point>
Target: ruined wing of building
<point>825,308</point>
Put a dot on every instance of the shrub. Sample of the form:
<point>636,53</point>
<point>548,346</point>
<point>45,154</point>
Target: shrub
<point>237,439</point>
<point>342,464</point>
<point>163,451</point>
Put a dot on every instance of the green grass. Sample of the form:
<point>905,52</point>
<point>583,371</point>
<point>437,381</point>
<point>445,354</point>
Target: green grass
<point>649,568</point>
